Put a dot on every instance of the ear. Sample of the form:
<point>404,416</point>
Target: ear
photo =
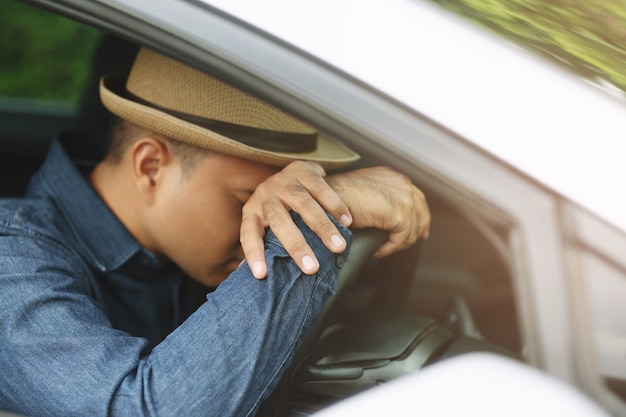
<point>150,159</point>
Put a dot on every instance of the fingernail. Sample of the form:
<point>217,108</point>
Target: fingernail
<point>258,268</point>
<point>345,220</point>
<point>308,263</point>
<point>337,241</point>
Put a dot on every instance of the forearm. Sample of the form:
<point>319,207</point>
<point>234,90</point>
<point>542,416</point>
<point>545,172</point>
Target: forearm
<point>60,355</point>
<point>229,355</point>
<point>345,185</point>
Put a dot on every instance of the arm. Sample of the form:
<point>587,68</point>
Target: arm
<point>61,357</point>
<point>373,197</point>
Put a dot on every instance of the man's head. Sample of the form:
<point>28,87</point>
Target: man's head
<point>186,156</point>
<point>181,202</point>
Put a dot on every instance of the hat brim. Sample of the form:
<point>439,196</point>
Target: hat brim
<point>329,153</point>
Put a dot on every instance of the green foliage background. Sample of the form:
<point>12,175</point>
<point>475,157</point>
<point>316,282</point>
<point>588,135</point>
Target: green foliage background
<point>42,55</point>
<point>587,35</point>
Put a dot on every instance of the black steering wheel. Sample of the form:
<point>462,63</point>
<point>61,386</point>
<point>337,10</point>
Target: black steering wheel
<point>364,244</point>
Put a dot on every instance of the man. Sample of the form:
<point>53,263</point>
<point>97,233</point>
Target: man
<point>99,316</point>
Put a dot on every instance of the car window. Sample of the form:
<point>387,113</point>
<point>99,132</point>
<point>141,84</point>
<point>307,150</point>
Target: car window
<point>45,56</point>
<point>587,37</point>
<point>46,65</point>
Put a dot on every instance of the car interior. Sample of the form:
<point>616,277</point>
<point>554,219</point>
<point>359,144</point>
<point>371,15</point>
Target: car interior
<point>446,296</point>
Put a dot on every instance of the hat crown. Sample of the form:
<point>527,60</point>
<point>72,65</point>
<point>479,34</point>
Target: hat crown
<point>172,85</point>
<point>181,103</point>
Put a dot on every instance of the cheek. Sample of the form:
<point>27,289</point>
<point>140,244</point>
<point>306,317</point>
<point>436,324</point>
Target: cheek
<point>225,235</point>
<point>216,252</point>
<point>213,230</point>
<point>224,217</point>
<point>205,245</point>
<point>203,224</point>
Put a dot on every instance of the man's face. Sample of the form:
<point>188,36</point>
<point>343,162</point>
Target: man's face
<point>197,215</point>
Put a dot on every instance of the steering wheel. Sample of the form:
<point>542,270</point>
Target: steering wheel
<point>364,244</point>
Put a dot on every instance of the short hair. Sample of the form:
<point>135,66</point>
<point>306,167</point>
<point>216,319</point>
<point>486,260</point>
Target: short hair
<point>124,134</point>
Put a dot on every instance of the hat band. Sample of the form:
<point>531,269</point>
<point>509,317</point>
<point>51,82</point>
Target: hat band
<point>269,140</point>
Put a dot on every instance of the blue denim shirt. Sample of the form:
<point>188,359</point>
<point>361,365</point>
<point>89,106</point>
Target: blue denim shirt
<point>92,324</point>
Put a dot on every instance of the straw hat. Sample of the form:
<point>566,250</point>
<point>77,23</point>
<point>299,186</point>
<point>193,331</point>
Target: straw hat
<point>179,102</point>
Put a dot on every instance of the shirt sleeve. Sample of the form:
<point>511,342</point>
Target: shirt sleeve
<point>61,357</point>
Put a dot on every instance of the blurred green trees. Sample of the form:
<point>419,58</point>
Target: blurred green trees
<point>587,35</point>
<point>42,55</point>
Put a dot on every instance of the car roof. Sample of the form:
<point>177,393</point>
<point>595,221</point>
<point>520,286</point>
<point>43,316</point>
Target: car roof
<point>552,125</point>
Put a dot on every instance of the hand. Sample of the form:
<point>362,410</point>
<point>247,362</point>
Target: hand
<point>385,199</point>
<point>300,187</point>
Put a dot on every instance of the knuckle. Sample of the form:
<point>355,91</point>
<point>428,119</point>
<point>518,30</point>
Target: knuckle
<point>336,208</point>
<point>304,166</point>
<point>271,214</point>
<point>309,165</point>
<point>247,227</point>
<point>247,211</point>
<point>301,198</point>
<point>244,242</point>
<point>242,239</point>
<point>294,165</point>
<point>405,179</point>
<point>399,177</point>
<point>325,227</point>
<point>296,246</point>
<point>318,185</point>
<point>295,188</point>
<point>248,232</point>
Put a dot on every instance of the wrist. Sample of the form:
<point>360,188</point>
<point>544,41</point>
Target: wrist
<point>347,188</point>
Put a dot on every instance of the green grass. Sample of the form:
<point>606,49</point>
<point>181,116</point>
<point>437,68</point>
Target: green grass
<point>588,36</point>
<point>42,55</point>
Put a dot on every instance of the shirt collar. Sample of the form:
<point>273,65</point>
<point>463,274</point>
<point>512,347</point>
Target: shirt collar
<point>104,239</point>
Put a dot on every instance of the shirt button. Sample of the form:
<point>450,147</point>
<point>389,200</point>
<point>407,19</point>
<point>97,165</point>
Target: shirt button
<point>340,261</point>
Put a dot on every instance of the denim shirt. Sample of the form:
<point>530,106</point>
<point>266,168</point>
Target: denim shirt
<point>92,324</point>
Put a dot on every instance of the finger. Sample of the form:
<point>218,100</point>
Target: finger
<point>316,218</point>
<point>317,186</point>
<point>399,238</point>
<point>390,246</point>
<point>251,237</point>
<point>294,243</point>
<point>404,235</point>
<point>424,215</point>
<point>278,218</point>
